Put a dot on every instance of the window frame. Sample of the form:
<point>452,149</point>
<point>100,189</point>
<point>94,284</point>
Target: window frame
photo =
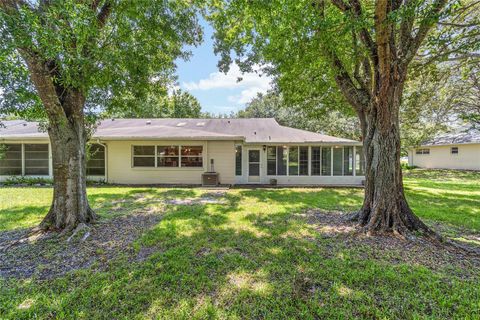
<point>156,156</point>
<point>422,151</point>
<point>454,153</point>
<point>238,161</point>
<point>96,167</point>
<point>181,156</point>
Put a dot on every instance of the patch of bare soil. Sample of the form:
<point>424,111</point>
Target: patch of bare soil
<point>49,255</point>
<point>463,259</point>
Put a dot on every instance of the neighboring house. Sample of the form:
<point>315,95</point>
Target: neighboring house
<point>179,151</point>
<point>449,151</point>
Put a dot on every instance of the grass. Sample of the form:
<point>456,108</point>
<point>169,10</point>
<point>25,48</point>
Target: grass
<point>253,257</point>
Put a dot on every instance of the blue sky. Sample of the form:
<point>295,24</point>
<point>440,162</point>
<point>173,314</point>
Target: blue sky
<point>216,91</point>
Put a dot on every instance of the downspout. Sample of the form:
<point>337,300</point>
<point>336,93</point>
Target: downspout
<point>106,159</point>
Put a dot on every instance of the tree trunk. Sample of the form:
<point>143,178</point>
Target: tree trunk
<point>385,208</point>
<point>70,205</point>
<point>66,129</point>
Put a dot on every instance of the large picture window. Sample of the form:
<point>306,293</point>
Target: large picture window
<point>167,156</point>
<point>348,161</point>
<point>271,161</point>
<point>303,161</point>
<point>10,159</point>
<point>144,156</point>
<point>326,161</point>
<point>36,159</point>
<point>96,160</point>
<point>315,161</point>
<point>238,160</point>
<point>192,156</point>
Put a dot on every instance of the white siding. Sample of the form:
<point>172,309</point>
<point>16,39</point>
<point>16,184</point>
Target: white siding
<point>440,157</point>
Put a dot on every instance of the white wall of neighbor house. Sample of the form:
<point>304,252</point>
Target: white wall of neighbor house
<point>121,167</point>
<point>443,157</point>
<point>329,177</point>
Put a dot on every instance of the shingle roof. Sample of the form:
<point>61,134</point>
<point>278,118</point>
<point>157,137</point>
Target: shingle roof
<point>253,130</point>
<point>462,137</point>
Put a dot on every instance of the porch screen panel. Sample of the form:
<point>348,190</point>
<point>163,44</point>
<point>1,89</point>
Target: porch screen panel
<point>271,161</point>
<point>144,156</point>
<point>348,161</point>
<point>359,161</point>
<point>315,161</point>
<point>96,160</point>
<point>36,159</point>
<point>326,161</point>
<point>281,161</point>
<point>293,161</point>
<point>303,161</point>
<point>337,161</point>
<point>238,160</point>
<point>10,159</point>
<point>192,156</point>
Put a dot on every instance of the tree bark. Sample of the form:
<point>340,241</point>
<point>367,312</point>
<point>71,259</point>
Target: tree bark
<point>70,205</point>
<point>66,128</point>
<point>385,208</point>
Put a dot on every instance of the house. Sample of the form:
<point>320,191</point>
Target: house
<point>450,151</point>
<point>179,151</point>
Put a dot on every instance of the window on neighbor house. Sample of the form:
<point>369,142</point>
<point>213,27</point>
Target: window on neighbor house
<point>422,151</point>
<point>144,156</point>
<point>96,160</point>
<point>36,159</point>
<point>315,161</point>
<point>282,160</point>
<point>10,159</point>
<point>272,161</point>
<point>347,161</point>
<point>192,156</point>
<point>359,161</point>
<point>238,160</point>
<point>454,150</point>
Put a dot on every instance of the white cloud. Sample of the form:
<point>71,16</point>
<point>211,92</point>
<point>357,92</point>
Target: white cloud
<point>251,83</point>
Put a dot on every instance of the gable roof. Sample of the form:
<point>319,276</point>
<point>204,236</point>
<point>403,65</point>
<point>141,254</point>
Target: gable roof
<point>462,137</point>
<point>251,130</point>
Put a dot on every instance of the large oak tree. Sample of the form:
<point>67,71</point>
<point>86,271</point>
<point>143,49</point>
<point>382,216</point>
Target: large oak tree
<point>365,48</point>
<point>66,59</point>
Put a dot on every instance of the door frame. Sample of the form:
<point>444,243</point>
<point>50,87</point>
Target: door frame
<point>260,162</point>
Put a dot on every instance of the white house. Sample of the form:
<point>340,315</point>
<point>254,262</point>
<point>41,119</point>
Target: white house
<point>449,151</point>
<point>184,151</point>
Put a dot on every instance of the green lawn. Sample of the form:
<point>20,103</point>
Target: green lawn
<point>255,256</point>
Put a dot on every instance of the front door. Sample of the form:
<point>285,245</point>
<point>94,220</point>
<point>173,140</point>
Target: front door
<point>254,165</point>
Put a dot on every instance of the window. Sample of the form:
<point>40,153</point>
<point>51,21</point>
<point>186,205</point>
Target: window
<point>96,160</point>
<point>271,161</point>
<point>359,161</point>
<point>167,156</point>
<point>10,159</point>
<point>281,161</point>
<point>326,161</point>
<point>144,156</point>
<point>303,161</point>
<point>347,161</point>
<point>36,159</point>
<point>192,156</point>
<point>238,160</point>
<point>422,151</point>
<point>337,161</point>
<point>454,150</point>
<point>293,161</point>
<point>315,161</point>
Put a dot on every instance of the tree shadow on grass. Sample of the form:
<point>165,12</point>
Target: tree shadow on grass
<point>210,261</point>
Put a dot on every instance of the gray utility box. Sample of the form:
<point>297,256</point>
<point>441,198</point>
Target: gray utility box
<point>210,179</point>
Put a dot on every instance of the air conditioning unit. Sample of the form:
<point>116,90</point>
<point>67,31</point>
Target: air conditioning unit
<point>210,179</point>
